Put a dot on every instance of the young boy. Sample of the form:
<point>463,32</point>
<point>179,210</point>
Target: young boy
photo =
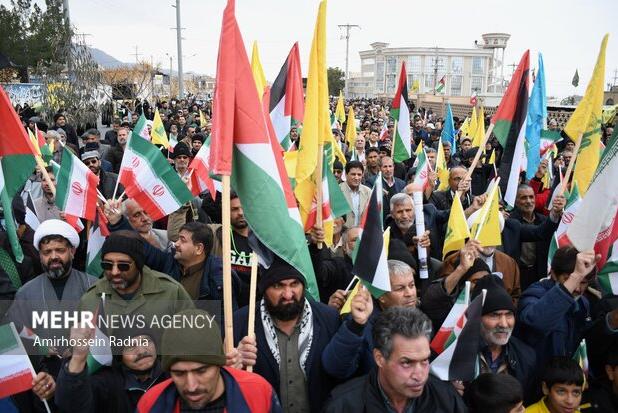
<point>496,393</point>
<point>563,382</point>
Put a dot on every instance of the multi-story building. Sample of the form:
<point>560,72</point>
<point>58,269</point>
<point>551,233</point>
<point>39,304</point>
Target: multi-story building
<point>465,71</point>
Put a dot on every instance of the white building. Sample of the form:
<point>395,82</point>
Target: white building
<point>465,71</point>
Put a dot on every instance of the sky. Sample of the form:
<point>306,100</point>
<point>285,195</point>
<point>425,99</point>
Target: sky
<point>567,32</point>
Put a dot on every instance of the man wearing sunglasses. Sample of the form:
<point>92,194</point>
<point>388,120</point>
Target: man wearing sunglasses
<point>107,180</point>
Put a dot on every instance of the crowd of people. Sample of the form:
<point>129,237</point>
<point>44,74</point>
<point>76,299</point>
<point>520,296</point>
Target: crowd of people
<point>304,355</point>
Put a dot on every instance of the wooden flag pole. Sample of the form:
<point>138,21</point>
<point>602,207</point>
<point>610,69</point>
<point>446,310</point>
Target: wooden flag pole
<point>41,165</point>
<point>319,220</point>
<point>252,288</point>
<point>227,265</point>
<point>569,171</point>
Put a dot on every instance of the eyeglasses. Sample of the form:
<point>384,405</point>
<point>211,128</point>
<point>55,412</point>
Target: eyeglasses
<point>91,161</point>
<point>122,266</point>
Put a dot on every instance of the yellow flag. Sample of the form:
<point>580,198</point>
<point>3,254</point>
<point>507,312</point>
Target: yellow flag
<point>416,86</point>
<point>289,159</point>
<point>340,109</point>
<point>473,125</point>
<point>158,135</point>
<point>258,72</point>
<point>419,148</point>
<point>316,123</point>
<point>586,122</point>
<point>350,129</point>
<point>486,226</point>
<point>492,158</point>
<point>203,122</point>
<point>465,127</point>
<point>479,134</point>
<point>441,168</point>
<point>35,142</point>
<point>347,306</point>
<point>457,230</point>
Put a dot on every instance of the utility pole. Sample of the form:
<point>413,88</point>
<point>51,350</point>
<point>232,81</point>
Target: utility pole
<point>136,54</point>
<point>615,77</point>
<point>181,86</point>
<point>67,25</point>
<point>347,27</point>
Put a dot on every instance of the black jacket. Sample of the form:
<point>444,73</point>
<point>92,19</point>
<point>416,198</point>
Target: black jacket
<point>363,395</point>
<point>331,273</point>
<point>541,248</point>
<point>514,233</point>
<point>107,183</point>
<point>110,389</point>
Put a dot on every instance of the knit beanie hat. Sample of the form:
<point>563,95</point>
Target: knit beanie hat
<point>202,345</point>
<point>130,245</point>
<point>496,298</point>
<point>279,270</point>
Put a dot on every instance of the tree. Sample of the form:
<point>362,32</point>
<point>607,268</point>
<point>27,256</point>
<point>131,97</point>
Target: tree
<point>336,80</point>
<point>33,38</point>
<point>129,81</point>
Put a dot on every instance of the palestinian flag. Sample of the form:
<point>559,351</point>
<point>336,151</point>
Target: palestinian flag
<point>287,105</point>
<point>441,84</point>
<point>200,178</point>
<point>454,322</point>
<point>96,238</point>
<point>16,371</point>
<point>242,147</point>
<point>334,205</point>
<point>608,276</point>
<point>459,360</point>
<point>75,222</point>
<point>510,128</point>
<point>31,217</point>
<point>150,180</point>
<point>13,137</point>
<point>101,351</point>
<point>76,189</point>
<point>370,264</point>
<point>401,113</point>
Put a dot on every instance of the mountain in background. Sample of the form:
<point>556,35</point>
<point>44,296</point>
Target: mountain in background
<point>105,60</point>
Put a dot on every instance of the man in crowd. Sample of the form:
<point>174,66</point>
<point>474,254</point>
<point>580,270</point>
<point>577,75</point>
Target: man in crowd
<point>45,207</point>
<point>182,156</point>
<point>115,154</point>
<point>355,192</point>
<point>60,122</point>
<point>401,381</point>
<point>141,222</point>
<point>107,180</point>
<point>372,159</point>
<point>391,185</point>
<point>456,182</point>
<point>94,136</point>
<point>291,333</point>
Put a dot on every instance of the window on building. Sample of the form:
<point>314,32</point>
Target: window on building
<point>478,65</point>
<point>456,85</point>
<point>391,83</point>
<point>476,84</point>
<point>391,65</point>
<point>379,75</point>
<point>414,64</point>
<point>369,61</point>
<point>457,63</point>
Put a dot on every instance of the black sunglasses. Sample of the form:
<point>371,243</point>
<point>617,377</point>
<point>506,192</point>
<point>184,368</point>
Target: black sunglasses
<point>122,266</point>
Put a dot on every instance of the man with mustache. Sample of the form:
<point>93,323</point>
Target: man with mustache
<point>116,388</point>
<point>291,333</point>
<point>500,352</point>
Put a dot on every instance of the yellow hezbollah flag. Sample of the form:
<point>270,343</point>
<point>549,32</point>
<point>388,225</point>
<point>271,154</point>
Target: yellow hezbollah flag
<point>473,125</point>
<point>441,168</point>
<point>586,123</point>
<point>416,86</point>
<point>158,135</point>
<point>350,129</point>
<point>316,124</point>
<point>419,149</point>
<point>479,134</point>
<point>486,226</point>
<point>465,127</point>
<point>492,158</point>
<point>289,159</point>
<point>340,110</point>
<point>457,230</point>
<point>258,72</point>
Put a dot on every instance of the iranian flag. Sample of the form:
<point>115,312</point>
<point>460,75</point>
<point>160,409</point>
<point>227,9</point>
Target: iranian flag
<point>401,113</point>
<point>287,106</point>
<point>459,360</point>
<point>510,128</point>
<point>76,189</point>
<point>608,276</point>
<point>242,147</point>
<point>150,180</point>
<point>383,131</point>
<point>370,263</point>
<point>200,178</point>
<point>594,224</point>
<point>16,371</point>
<point>101,350</point>
<point>560,239</point>
<point>454,322</point>
<point>141,128</point>
<point>96,238</point>
<point>422,169</point>
<point>549,139</point>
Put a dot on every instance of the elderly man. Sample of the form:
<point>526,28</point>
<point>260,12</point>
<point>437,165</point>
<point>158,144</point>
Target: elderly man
<point>91,157</point>
<point>199,381</point>
<point>456,182</point>
<point>401,382</point>
<point>291,333</point>
<point>115,388</point>
<point>182,156</point>
<point>142,223</point>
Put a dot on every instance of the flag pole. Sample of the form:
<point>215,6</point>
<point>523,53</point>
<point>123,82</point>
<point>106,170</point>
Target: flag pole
<point>252,288</point>
<point>394,138</point>
<point>479,152</point>
<point>318,190</point>
<point>569,171</point>
<point>227,265</point>
<point>46,176</point>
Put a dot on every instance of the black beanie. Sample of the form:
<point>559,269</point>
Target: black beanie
<point>181,149</point>
<point>279,270</point>
<point>397,250</point>
<point>497,298</point>
<point>133,247</point>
